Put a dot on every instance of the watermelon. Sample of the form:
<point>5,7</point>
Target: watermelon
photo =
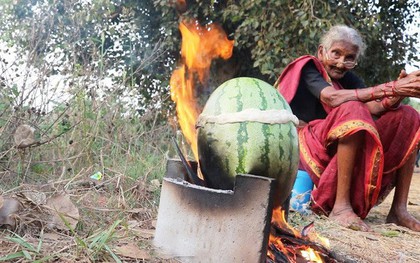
<point>247,127</point>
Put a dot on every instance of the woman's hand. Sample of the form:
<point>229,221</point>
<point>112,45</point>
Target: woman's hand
<point>403,74</point>
<point>407,85</point>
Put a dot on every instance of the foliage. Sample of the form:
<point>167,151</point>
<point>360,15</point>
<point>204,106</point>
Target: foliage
<point>102,44</point>
<point>95,247</point>
<point>269,34</point>
<point>134,45</point>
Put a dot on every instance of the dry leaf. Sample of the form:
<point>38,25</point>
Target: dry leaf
<point>24,136</point>
<point>133,223</point>
<point>62,205</point>
<point>8,208</point>
<point>1,201</point>
<point>38,198</point>
<point>132,251</point>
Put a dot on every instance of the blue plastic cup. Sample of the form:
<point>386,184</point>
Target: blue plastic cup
<point>301,193</point>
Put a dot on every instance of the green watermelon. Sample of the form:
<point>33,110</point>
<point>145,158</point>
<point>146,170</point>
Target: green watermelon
<point>247,127</point>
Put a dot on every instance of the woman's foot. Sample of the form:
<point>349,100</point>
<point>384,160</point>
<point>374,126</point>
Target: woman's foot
<point>403,219</point>
<point>347,218</point>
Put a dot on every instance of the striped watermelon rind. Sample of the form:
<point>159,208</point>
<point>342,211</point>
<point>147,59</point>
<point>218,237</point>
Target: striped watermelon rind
<point>247,147</point>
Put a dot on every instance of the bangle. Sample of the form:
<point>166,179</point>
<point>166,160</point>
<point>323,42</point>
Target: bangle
<point>357,95</point>
<point>393,89</point>
<point>371,93</point>
<point>383,90</point>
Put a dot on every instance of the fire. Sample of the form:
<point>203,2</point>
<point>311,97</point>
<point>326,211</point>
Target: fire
<point>292,251</point>
<point>200,45</point>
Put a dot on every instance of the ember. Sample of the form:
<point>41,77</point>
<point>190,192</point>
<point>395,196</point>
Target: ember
<point>288,245</point>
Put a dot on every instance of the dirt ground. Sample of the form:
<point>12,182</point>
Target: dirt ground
<point>133,240</point>
<point>388,242</point>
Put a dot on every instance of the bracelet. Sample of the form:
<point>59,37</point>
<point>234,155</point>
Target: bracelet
<point>393,89</point>
<point>357,95</point>
<point>383,90</point>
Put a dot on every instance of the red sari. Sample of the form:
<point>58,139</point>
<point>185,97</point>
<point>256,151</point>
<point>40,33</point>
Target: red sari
<point>389,141</point>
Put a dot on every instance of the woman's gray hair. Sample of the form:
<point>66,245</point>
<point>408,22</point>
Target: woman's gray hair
<point>343,33</point>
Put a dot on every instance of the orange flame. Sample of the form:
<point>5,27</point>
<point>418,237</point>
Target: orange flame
<point>200,45</point>
<point>278,218</point>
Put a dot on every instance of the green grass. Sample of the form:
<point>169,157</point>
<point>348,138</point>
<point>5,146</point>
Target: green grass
<point>26,250</point>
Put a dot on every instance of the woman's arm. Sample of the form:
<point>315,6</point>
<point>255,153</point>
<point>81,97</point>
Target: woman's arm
<point>377,103</point>
<point>379,98</point>
<point>334,98</point>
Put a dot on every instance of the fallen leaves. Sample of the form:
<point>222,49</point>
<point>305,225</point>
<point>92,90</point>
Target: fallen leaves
<point>131,250</point>
<point>142,233</point>
<point>8,211</point>
<point>51,216</point>
<point>63,212</point>
<point>34,208</point>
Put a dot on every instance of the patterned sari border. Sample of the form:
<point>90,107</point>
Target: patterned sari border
<point>350,127</point>
<point>374,179</point>
<point>303,147</point>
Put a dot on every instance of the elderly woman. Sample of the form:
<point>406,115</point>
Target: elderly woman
<point>356,142</point>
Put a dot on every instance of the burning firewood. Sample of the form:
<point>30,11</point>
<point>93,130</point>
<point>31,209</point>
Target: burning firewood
<point>298,248</point>
<point>288,245</point>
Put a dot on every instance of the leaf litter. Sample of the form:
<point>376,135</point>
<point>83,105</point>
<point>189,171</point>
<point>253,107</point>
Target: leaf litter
<point>47,214</point>
<point>79,221</point>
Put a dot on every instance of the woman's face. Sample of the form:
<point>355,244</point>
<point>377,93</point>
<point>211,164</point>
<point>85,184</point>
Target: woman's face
<point>340,58</point>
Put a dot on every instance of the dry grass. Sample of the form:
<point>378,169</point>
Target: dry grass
<point>117,214</point>
<point>132,210</point>
<point>128,208</point>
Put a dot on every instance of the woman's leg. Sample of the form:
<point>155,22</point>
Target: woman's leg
<point>342,211</point>
<point>398,213</point>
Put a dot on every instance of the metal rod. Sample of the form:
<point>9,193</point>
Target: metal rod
<point>192,175</point>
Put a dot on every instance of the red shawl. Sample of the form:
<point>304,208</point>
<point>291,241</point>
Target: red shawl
<point>288,81</point>
<point>389,141</point>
